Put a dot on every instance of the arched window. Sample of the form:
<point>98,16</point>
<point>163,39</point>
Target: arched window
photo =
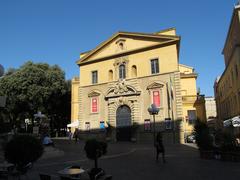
<point>122,71</point>
<point>121,46</point>
<point>134,71</point>
<point>110,75</point>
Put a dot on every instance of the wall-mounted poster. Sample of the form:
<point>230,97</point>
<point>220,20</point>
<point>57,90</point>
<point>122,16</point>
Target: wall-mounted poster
<point>102,126</point>
<point>147,125</point>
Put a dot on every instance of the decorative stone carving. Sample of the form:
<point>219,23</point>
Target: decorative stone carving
<point>121,60</point>
<point>121,100</point>
<point>120,87</point>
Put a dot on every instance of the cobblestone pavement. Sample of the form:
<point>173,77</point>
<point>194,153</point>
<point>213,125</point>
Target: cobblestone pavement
<point>130,161</point>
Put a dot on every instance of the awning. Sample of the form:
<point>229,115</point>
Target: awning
<point>236,121</point>
<point>227,123</point>
<point>73,124</point>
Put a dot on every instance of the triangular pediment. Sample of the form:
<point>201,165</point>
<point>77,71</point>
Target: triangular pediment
<point>155,85</point>
<point>93,94</point>
<point>125,42</point>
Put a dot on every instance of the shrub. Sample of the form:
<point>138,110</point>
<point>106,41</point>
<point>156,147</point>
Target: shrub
<point>203,138</point>
<point>22,150</point>
<point>228,143</point>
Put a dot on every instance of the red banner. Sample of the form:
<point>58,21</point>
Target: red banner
<point>156,98</point>
<point>94,105</point>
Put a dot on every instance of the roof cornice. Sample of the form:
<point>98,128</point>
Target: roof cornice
<point>235,10</point>
<point>192,75</point>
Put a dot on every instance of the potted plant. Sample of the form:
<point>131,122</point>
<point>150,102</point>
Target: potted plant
<point>95,149</point>
<point>23,151</point>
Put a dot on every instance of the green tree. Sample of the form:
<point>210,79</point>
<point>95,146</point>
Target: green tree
<point>35,87</point>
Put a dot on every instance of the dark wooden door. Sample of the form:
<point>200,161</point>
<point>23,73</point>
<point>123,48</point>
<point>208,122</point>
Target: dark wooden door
<point>123,122</point>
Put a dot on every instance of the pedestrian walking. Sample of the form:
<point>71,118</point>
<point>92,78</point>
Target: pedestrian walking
<point>69,134</point>
<point>75,135</point>
<point>159,147</point>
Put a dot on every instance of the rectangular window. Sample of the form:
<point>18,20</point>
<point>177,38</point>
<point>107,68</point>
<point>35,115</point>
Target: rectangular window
<point>94,105</point>
<point>154,66</point>
<point>147,125</point>
<point>156,98</point>
<point>191,116</point>
<point>94,77</point>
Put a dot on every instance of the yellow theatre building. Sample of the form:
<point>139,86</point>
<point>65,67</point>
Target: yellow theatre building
<point>123,76</point>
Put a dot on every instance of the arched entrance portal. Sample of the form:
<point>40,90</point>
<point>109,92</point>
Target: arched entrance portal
<point>123,123</point>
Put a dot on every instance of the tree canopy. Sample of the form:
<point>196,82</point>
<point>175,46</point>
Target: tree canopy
<point>35,87</point>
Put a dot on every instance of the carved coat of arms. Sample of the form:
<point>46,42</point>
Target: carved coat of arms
<point>120,87</point>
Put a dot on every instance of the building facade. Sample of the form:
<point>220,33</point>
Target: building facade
<point>210,106</point>
<point>227,86</point>
<point>124,75</point>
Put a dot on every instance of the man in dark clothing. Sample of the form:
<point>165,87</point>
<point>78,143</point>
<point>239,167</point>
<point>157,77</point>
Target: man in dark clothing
<point>159,147</point>
<point>75,135</point>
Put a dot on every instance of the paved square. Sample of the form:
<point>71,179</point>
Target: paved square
<point>128,161</point>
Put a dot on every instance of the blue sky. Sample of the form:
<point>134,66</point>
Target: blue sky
<point>57,31</point>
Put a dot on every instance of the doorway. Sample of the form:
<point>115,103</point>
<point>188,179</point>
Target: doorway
<point>123,123</point>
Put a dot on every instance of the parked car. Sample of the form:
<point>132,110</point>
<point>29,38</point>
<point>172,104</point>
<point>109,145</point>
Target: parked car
<point>191,138</point>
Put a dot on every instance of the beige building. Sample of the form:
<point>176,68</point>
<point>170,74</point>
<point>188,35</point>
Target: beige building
<point>124,75</point>
<point>227,87</point>
<point>210,106</point>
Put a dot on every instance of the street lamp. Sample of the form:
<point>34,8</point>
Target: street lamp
<point>153,110</point>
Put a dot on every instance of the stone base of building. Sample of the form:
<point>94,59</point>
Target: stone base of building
<point>169,137</point>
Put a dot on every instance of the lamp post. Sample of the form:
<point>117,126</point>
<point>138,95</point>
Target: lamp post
<point>153,110</point>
